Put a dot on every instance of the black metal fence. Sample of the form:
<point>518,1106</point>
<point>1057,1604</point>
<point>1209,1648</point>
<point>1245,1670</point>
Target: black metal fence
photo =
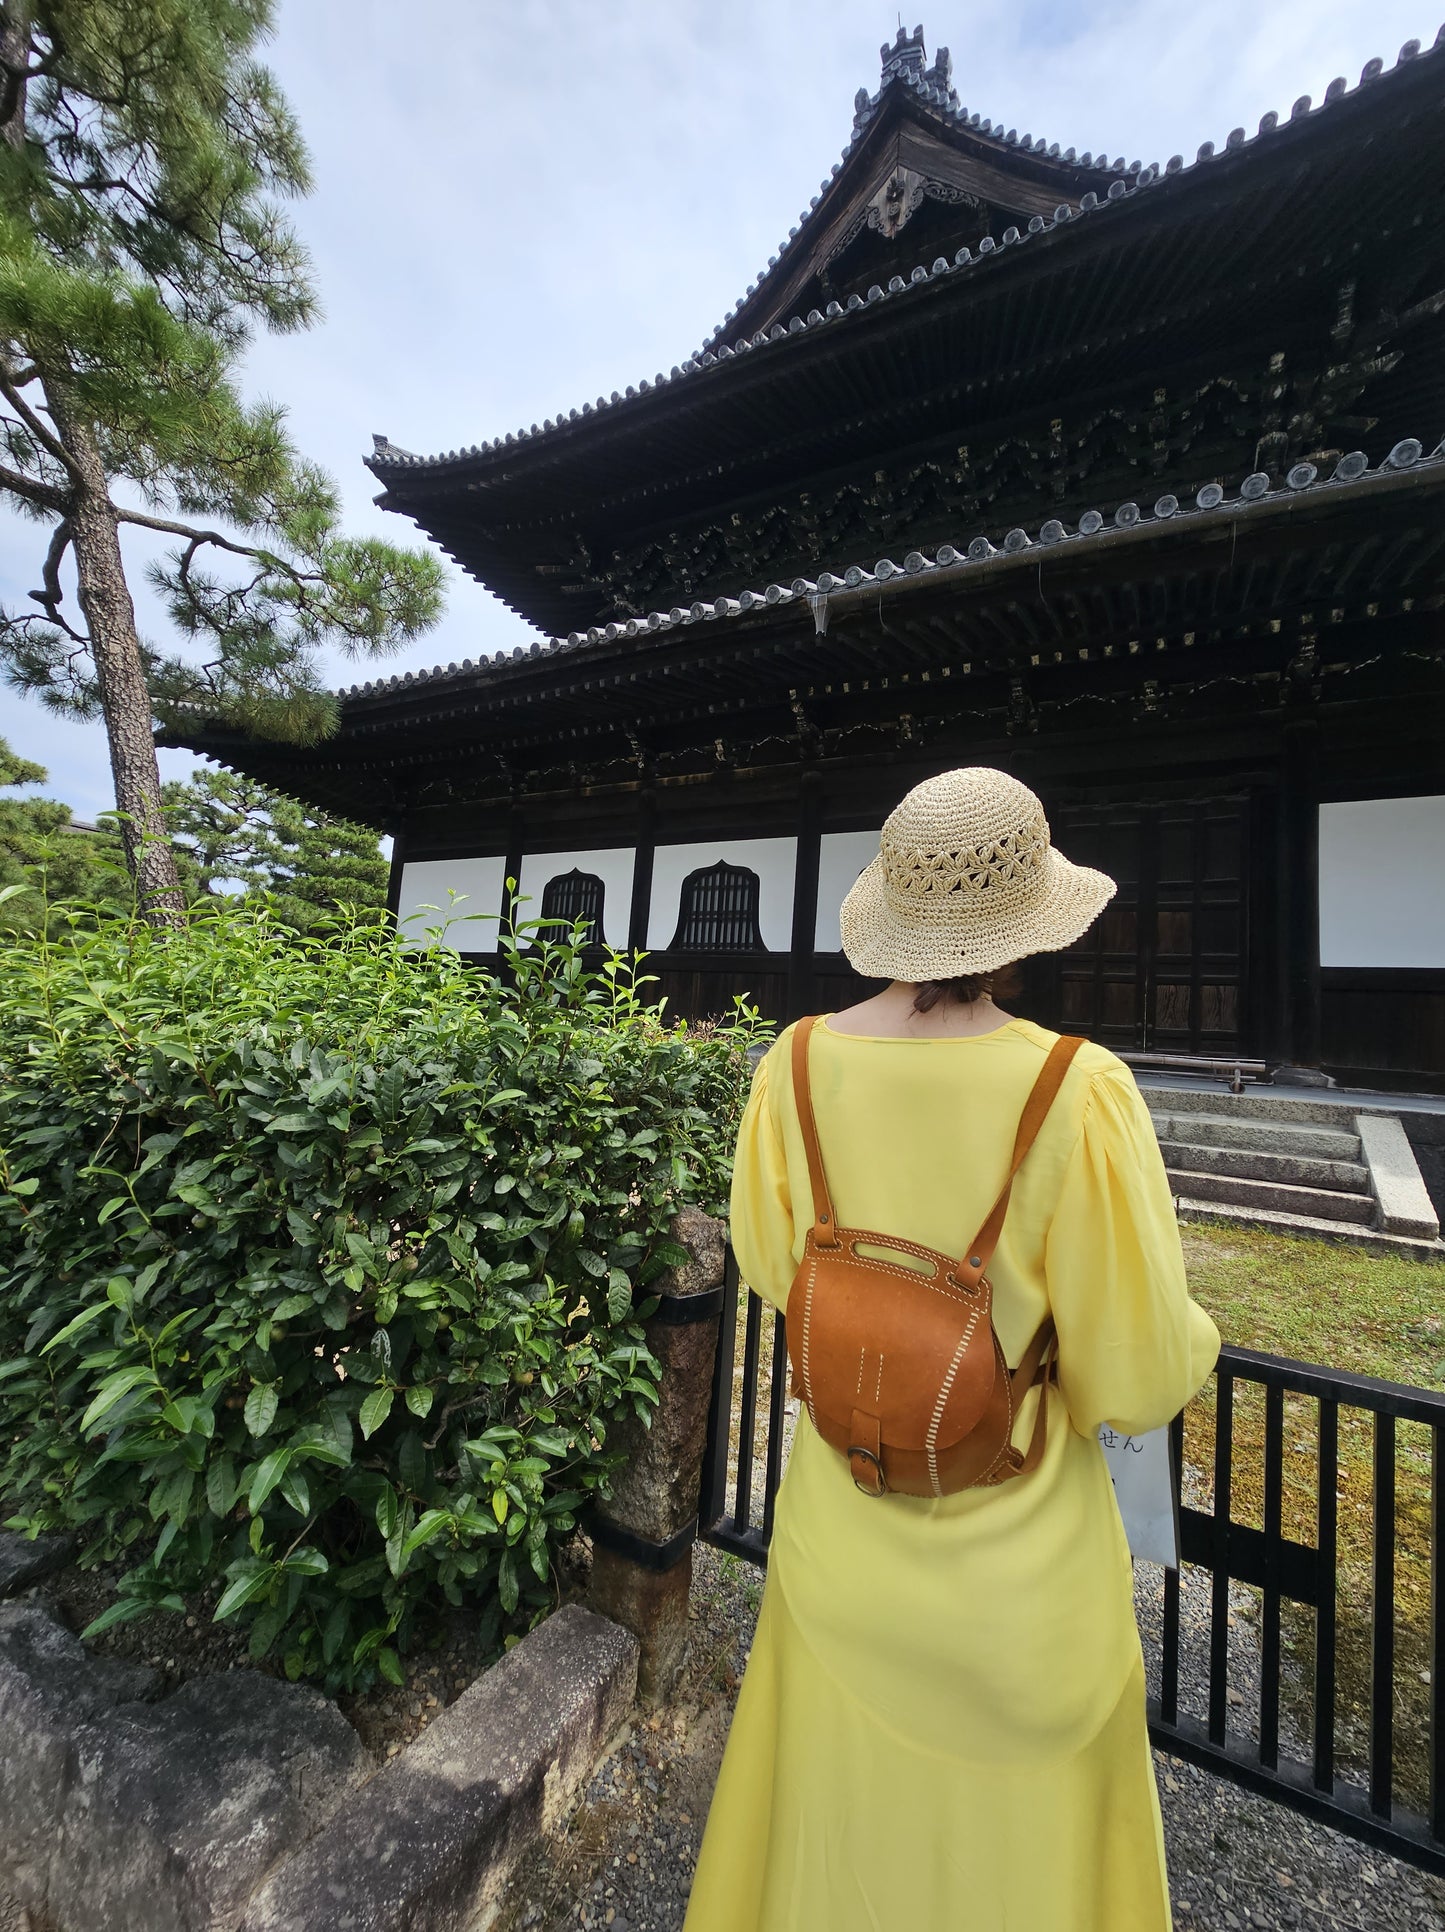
<point>1339,1709</point>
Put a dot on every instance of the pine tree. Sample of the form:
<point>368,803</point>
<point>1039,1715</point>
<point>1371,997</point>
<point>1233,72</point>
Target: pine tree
<point>50,860</point>
<point>231,833</point>
<point>144,154</point>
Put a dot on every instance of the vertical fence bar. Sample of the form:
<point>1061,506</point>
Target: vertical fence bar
<point>1437,1632</point>
<point>747,1421</point>
<point>777,1400</point>
<point>1325,1539</point>
<point>1269,1635</point>
<point>713,1486</point>
<point>1219,1597</point>
<point>1169,1636</point>
<point>1382,1622</point>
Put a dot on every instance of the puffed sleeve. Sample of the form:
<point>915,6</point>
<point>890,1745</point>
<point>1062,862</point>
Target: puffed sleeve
<point>1133,1346</point>
<point>762,1206</point>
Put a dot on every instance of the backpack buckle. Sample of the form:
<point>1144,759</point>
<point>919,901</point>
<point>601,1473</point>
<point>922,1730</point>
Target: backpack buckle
<point>857,1449</point>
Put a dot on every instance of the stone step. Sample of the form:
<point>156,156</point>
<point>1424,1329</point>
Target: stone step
<point>1259,1103</point>
<point>1253,1164</point>
<point>1222,1214</point>
<point>1268,1136</point>
<point>1324,1204</point>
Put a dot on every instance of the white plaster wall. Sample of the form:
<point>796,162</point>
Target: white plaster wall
<point>1382,882</point>
<point>774,861</point>
<point>841,857</point>
<point>478,885</point>
<point>612,864</point>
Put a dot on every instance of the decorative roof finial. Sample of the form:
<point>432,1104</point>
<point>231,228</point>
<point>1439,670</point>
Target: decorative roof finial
<point>905,56</point>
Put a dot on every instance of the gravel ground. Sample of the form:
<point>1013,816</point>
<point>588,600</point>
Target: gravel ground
<point>623,1858</point>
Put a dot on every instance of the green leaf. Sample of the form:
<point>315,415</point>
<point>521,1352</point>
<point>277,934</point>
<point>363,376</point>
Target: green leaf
<point>77,1323</point>
<point>296,1491</point>
<point>244,1590</point>
<point>619,1295</point>
<point>419,1399</point>
<point>499,1505</point>
<point>293,1305</point>
<point>593,1263</point>
<point>431,1525</point>
<point>111,1390</point>
<point>374,1411</point>
<point>507,1585</point>
<point>221,1485</point>
<point>269,1472</point>
<point>389,1664</point>
<point>260,1410</point>
<point>306,1562</point>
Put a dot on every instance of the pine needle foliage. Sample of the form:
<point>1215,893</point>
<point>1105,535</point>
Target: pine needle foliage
<point>323,1264</point>
<point>145,161</point>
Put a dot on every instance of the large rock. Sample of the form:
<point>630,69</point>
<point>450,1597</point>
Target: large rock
<point>428,1845</point>
<point>119,1815</point>
<point>655,1490</point>
<point>25,1560</point>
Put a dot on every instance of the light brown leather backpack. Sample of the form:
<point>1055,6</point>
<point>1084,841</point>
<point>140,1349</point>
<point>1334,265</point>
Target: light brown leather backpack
<point>899,1364</point>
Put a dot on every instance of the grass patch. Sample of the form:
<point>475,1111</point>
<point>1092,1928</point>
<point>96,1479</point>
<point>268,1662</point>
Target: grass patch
<point>1372,1314</point>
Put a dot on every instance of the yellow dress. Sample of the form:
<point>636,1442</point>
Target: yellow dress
<point>941,1725</point>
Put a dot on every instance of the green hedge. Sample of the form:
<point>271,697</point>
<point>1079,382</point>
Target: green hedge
<point>322,1264</point>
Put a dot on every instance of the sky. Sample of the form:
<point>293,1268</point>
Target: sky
<point>520,208</point>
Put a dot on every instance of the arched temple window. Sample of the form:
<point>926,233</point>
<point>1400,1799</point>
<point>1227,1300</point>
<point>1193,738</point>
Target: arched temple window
<point>574,895</point>
<point>719,912</point>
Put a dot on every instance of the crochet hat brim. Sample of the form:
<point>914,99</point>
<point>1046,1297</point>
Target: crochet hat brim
<point>943,937</point>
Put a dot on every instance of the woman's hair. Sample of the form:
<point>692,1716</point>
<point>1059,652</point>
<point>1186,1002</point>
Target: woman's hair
<point>967,988</point>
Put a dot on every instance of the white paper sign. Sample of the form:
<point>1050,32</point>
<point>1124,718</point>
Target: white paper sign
<point>1144,1490</point>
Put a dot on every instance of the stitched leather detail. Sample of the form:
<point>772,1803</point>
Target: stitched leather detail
<point>807,1324</point>
<point>931,1440</point>
<point>858,1387</point>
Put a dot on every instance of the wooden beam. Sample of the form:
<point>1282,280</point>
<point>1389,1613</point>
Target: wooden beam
<point>805,893</point>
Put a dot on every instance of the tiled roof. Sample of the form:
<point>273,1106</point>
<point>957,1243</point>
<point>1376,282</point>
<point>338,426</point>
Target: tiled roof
<point>1091,527</point>
<point>387,459</point>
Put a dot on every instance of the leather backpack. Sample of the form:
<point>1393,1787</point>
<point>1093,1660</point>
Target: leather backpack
<point>898,1360</point>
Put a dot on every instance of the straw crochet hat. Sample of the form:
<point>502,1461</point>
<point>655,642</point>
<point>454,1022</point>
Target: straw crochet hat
<point>966,881</point>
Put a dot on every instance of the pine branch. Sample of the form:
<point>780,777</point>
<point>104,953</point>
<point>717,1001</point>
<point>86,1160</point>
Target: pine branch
<point>33,490</point>
<point>50,596</point>
<point>32,420</point>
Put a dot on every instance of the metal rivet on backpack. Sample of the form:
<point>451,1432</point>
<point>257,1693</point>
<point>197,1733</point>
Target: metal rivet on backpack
<point>974,1261</point>
<point>823,1219</point>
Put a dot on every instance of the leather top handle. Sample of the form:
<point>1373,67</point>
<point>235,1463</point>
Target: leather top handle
<point>1041,1097</point>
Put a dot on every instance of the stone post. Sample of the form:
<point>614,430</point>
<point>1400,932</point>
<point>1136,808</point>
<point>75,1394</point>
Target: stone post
<point>642,1535</point>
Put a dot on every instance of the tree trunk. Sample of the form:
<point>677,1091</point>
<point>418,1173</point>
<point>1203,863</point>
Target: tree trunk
<point>14,59</point>
<point>115,649</point>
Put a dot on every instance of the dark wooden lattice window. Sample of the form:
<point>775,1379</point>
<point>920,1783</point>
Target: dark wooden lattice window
<point>574,895</point>
<point>719,912</point>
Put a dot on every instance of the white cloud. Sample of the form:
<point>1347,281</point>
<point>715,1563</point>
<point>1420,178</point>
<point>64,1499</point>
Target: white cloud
<point>519,208</point>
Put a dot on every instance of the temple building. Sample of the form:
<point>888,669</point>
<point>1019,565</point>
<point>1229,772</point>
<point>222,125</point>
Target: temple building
<point>1125,478</point>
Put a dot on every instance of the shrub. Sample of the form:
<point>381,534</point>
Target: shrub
<point>322,1264</point>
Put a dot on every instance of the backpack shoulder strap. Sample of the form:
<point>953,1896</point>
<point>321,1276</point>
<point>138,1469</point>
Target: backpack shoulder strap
<point>1036,1107</point>
<point>824,1222</point>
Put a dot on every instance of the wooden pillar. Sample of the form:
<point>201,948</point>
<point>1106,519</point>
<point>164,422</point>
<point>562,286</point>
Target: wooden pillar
<point>642,869</point>
<point>805,895</point>
<point>1300,883</point>
<point>512,869</point>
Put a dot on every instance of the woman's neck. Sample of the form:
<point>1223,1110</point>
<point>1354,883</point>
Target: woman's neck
<point>891,1014</point>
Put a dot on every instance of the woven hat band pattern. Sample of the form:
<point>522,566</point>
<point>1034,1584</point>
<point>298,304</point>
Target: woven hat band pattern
<point>1003,872</point>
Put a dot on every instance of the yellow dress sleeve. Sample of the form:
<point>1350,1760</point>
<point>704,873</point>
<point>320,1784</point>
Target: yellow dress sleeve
<point>762,1204</point>
<point>1133,1346</point>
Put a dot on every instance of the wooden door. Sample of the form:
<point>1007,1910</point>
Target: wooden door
<point>1161,969</point>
